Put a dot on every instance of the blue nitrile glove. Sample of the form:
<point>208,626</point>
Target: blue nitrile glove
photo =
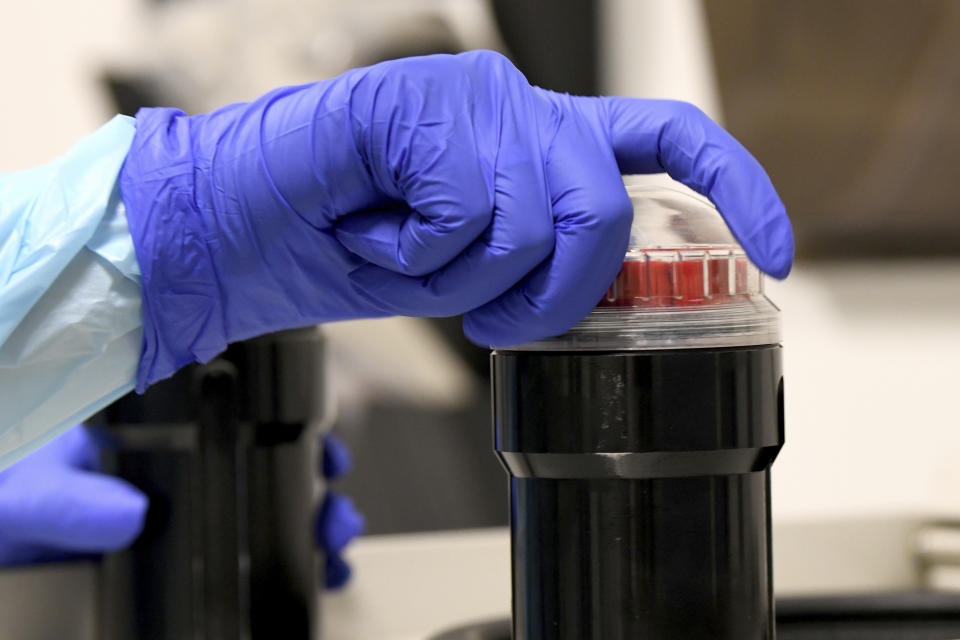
<point>424,186</point>
<point>54,505</point>
<point>338,522</point>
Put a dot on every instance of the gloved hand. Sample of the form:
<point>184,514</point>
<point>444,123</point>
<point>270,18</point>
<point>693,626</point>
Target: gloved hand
<point>54,505</point>
<point>425,186</point>
<point>338,522</point>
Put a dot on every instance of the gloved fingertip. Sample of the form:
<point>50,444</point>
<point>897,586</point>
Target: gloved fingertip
<point>338,572</point>
<point>338,523</point>
<point>780,272</point>
<point>118,512</point>
<point>474,334</point>
<point>487,331</point>
<point>337,460</point>
<point>782,261</point>
<point>779,249</point>
<point>129,521</point>
<point>76,511</point>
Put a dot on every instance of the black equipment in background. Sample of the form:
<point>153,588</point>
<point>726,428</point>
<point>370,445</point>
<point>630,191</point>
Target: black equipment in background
<point>228,453</point>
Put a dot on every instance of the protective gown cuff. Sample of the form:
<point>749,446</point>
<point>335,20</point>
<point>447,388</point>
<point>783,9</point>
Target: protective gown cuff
<point>48,214</point>
<point>71,346</point>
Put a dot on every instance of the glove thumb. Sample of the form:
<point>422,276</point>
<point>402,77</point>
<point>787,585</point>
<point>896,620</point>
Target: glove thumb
<point>75,511</point>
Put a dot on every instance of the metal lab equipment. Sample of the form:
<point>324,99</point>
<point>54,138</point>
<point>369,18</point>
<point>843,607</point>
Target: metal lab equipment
<point>228,453</point>
<point>639,445</point>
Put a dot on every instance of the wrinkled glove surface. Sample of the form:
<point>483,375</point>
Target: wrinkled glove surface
<point>426,186</point>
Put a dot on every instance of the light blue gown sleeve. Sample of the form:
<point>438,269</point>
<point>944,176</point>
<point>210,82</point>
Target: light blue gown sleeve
<point>70,321</point>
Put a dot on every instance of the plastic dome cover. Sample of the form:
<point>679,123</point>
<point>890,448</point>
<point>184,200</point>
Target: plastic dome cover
<point>685,283</point>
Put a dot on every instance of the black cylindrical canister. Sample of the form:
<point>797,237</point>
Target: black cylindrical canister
<point>639,445</point>
<point>228,454</point>
<point>640,491</point>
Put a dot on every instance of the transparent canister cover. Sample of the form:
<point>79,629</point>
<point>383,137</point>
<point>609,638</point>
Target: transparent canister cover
<point>685,283</point>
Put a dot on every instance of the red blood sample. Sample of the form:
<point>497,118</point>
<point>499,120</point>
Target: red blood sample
<point>630,287</point>
<point>661,277</point>
<point>649,282</point>
<point>688,286</point>
<point>741,271</point>
<point>719,269</point>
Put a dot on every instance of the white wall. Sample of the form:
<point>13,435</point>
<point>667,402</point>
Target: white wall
<point>50,54</point>
<point>657,49</point>
<point>872,374</point>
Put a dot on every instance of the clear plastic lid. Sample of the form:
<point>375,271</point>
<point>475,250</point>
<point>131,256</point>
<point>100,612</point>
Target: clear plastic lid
<point>685,283</point>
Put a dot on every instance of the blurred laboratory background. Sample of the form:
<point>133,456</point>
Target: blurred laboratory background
<point>850,106</point>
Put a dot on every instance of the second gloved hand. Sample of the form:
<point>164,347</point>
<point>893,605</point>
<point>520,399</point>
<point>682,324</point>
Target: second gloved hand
<point>55,505</point>
<point>338,522</point>
<point>424,186</point>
